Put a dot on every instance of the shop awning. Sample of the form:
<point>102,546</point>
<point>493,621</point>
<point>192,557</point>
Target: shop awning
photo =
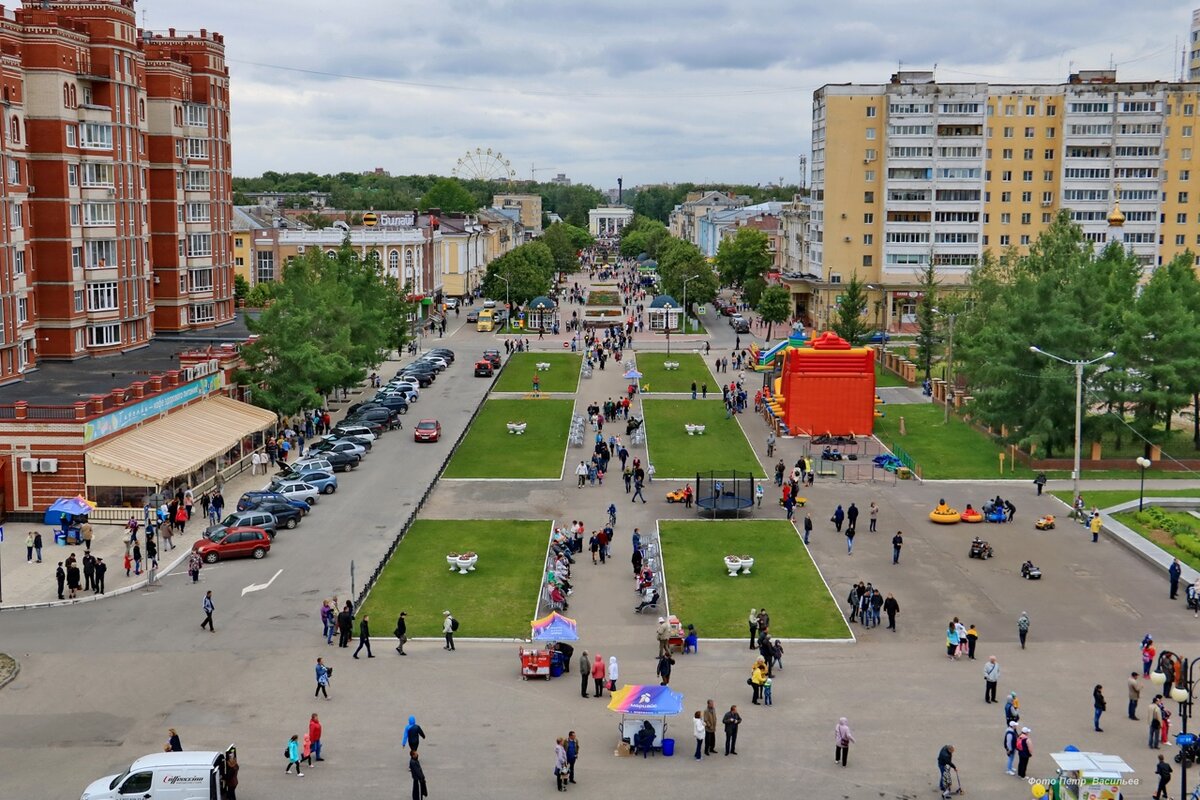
<point>181,442</point>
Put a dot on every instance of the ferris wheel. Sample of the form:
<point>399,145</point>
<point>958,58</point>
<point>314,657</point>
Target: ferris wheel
<point>483,164</point>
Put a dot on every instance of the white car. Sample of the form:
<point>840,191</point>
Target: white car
<point>295,490</point>
<point>489,303</point>
<point>402,392</point>
<point>450,303</point>
<point>438,363</point>
<point>312,462</point>
<point>356,430</point>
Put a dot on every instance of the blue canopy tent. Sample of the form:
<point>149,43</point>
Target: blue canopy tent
<point>646,704</point>
<point>77,506</point>
<point>554,627</point>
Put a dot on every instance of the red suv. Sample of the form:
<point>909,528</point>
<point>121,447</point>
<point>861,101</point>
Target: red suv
<point>225,543</point>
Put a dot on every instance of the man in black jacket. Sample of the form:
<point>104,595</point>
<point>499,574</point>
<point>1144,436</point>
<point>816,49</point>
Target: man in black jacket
<point>731,721</point>
<point>400,633</point>
<point>891,608</point>
<point>60,575</point>
<point>364,637</point>
<point>419,789</point>
<point>345,619</point>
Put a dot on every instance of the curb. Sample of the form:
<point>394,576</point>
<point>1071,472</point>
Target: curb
<point>16,671</point>
<point>94,597</point>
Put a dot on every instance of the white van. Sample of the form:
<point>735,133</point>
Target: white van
<point>187,775</point>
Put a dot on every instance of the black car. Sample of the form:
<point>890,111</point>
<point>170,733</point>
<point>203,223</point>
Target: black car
<point>377,414</point>
<point>340,461</point>
<point>349,448</point>
<point>741,326</point>
<point>394,403</point>
<point>443,353</point>
<point>423,379</point>
<point>361,441</point>
<point>286,515</point>
<point>421,366</point>
<point>375,427</point>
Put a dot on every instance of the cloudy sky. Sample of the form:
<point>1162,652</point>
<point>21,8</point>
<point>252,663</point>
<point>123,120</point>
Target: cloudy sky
<point>652,91</point>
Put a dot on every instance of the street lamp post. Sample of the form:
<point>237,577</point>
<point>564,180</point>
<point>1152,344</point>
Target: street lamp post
<point>949,367</point>
<point>1183,696</point>
<point>1078,364</point>
<point>1144,463</point>
<point>685,306</point>
<point>667,326</point>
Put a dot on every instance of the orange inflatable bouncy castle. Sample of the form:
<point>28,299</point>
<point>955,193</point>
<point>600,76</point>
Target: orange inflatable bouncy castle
<point>827,388</point>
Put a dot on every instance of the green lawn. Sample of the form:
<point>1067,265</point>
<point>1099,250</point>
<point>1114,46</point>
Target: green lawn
<point>674,454</point>
<point>1187,530</point>
<point>953,450</point>
<point>695,325</point>
<point>490,451</point>
<point>519,369</point>
<point>659,379</point>
<point>497,599</point>
<point>1104,498</point>
<point>783,579</point>
<point>884,378</point>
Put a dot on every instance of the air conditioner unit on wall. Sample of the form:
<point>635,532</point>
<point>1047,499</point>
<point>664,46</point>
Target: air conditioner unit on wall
<point>48,465</point>
<point>29,465</point>
<point>299,248</point>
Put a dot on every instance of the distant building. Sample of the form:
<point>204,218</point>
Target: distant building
<point>607,222</point>
<point>302,200</point>
<point>530,206</point>
<point>684,221</point>
<point>561,180</point>
<point>716,226</point>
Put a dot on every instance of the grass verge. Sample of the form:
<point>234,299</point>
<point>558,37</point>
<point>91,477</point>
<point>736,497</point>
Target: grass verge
<point>1104,498</point>
<point>942,450</point>
<point>496,600</point>
<point>1176,532</point>
<point>784,579</point>
<point>660,379</point>
<point>674,454</point>
<point>490,451</point>
<point>563,375</point>
<point>885,378</point>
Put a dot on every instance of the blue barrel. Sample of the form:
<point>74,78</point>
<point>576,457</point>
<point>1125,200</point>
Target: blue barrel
<point>668,747</point>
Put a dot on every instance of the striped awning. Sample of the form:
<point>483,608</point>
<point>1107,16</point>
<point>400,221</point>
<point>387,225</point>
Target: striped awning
<point>182,441</point>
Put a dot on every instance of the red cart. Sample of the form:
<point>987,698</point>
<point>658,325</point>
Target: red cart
<point>535,663</point>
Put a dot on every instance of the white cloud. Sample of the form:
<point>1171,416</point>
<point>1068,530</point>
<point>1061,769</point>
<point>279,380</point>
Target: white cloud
<point>668,90</point>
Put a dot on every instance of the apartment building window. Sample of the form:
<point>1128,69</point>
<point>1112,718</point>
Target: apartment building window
<point>1047,197</point>
<point>1086,173</point>
<point>1025,219</point>
<point>1010,110</point>
<point>78,299</point>
<point>1006,176</point>
<point>1028,154</point>
<point>868,219</point>
<point>100,175</point>
<point>1051,110</point>
<point>869,176</point>
<point>1026,197</point>
<point>868,260</point>
<point>868,238</point>
<point>1006,197</point>
<point>1047,175</point>
<point>1045,217</point>
<point>17,215</point>
<point>19,262</point>
<point>266,266</point>
<point>103,335</point>
<point>202,312</point>
<point>1088,108</point>
<point>178,180</point>
<point>197,180</point>
<point>1139,106</point>
<point>1006,154</point>
<point>870,153</point>
<point>1048,154</point>
<point>197,115</point>
<point>1027,176</point>
<point>1025,239</point>
<point>197,148</point>
<point>198,212</point>
<point>1051,133</point>
<point>1030,111</point>
<point>1005,218</point>
<point>201,280</point>
<point>14,171</point>
<point>179,148</point>
<point>868,197</point>
<point>100,253</point>
<point>182,248</point>
<point>102,296</point>
<point>1189,109</point>
<point>199,245</point>
<point>870,134</point>
<point>1180,239</point>
<point>75,214</point>
<point>1185,153</point>
<point>1185,174</point>
<point>179,213</point>
<point>99,214</point>
<point>1183,197</point>
<point>870,111</point>
<point>1029,133</point>
<point>76,258</point>
<point>1005,240</point>
<point>96,136</point>
<point>1008,133</point>
<point>71,135</point>
<point>23,310</point>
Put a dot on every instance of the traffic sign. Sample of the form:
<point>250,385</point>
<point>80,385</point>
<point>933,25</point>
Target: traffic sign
<point>370,219</point>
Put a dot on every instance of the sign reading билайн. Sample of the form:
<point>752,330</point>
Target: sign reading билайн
<point>131,415</point>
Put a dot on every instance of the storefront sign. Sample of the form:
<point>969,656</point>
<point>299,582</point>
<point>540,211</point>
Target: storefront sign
<point>396,221</point>
<point>132,415</point>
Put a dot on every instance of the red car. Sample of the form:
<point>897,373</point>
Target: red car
<point>427,430</point>
<point>484,369</point>
<point>225,543</point>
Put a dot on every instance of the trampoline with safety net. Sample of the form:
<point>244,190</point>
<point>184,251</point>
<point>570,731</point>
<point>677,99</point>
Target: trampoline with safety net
<point>724,493</point>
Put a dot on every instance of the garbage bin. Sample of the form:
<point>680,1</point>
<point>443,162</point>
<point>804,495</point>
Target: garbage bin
<point>668,747</point>
<point>556,665</point>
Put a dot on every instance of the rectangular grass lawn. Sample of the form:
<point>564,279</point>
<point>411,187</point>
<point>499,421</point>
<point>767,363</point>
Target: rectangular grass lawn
<point>674,454</point>
<point>657,379</point>
<point>783,579</point>
<point>490,451</point>
<point>954,450</point>
<point>519,369</point>
<point>497,599</point>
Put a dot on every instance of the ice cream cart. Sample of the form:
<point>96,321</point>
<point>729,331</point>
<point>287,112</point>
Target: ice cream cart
<point>539,662</point>
<point>535,662</point>
<point>1088,776</point>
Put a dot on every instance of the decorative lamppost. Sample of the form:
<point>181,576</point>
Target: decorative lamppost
<point>1144,463</point>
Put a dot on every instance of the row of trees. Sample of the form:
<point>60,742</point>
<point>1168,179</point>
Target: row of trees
<point>330,319</point>
<point>530,269</point>
<point>350,190</point>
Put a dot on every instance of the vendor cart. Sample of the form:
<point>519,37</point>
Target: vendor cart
<point>553,659</point>
<point>535,662</point>
<point>1088,776</point>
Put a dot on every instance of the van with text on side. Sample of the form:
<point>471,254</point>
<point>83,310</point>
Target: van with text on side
<point>487,320</point>
<point>188,775</point>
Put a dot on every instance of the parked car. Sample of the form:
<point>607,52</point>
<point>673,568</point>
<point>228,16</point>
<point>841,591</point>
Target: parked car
<point>484,369</point>
<point>424,366</point>
<point>450,302</point>
<point>427,430</point>
<point>246,519</point>
<point>286,515</point>
<point>879,337</point>
<point>360,440</point>
<point>376,414</point>
<point>393,402</point>
<point>309,463</point>
<point>438,363</point>
<point>350,448</point>
<point>340,462</point>
<point>493,356</point>
<point>727,309</point>
<point>445,353</point>
<point>344,430</point>
<point>237,542</point>
<point>302,501</point>
<point>321,480</point>
<point>423,379</point>
<point>742,325</point>
<point>472,316</point>
<point>408,391</point>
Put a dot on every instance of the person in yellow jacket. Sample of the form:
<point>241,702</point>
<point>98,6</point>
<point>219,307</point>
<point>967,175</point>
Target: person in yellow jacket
<point>758,676</point>
<point>1095,526</point>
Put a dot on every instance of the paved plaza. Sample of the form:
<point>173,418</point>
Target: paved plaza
<point>101,682</point>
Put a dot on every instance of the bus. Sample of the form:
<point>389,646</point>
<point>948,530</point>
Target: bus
<point>486,320</point>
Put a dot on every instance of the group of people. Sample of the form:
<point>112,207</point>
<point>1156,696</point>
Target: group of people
<point>762,674</point>
<point>866,603</point>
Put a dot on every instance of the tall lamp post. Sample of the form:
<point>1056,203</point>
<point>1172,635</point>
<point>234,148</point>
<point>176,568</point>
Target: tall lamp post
<point>685,313</point>
<point>667,326</point>
<point>1144,463</point>
<point>1078,364</point>
<point>949,364</point>
<point>507,305</point>
<point>1183,696</point>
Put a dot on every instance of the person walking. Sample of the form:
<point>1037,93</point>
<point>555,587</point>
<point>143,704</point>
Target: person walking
<point>207,605</point>
<point>663,634</point>
<point>731,721</point>
<point>581,473</point>
<point>850,533</point>
<point>293,755</point>
<point>873,517</point>
<point>572,747</point>
<point>314,736</point>
<point>560,764</point>
<point>839,516</point>
<point>1174,572</point>
<point>229,776</point>
<point>698,730</point>
<point>710,729</point>
<point>585,673</point>
<point>1135,694</point>
<point>419,788</point>
<point>364,637</point>
<point>449,626</point>
<point>1163,771</point>
<point>401,633</point>
<point>842,738</point>
<point>1024,752</point>
<point>60,577</point>
<point>1099,705</point>
<point>597,673</point>
<point>1148,653</point>
<point>891,608</point>
<point>323,675</point>
<point>972,639</point>
<point>1154,714</point>
<point>413,734</point>
<point>991,678</point>
<point>612,674</point>
<point>1010,746</point>
<point>638,485</point>
<point>1023,628</point>
<point>174,745</point>
<point>663,670</point>
<point>808,526</point>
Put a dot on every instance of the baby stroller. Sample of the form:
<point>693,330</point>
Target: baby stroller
<point>950,783</point>
<point>1189,749</point>
<point>1030,572</point>
<point>1193,599</point>
<point>633,424</point>
<point>980,549</point>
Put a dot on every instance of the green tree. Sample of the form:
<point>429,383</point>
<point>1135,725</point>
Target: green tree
<point>851,322</point>
<point>529,270</point>
<point>655,202</point>
<point>927,317</point>
<point>565,241</point>
<point>241,287</point>
<point>744,257</point>
<point>774,306</point>
<point>450,196</point>
<point>679,261</point>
